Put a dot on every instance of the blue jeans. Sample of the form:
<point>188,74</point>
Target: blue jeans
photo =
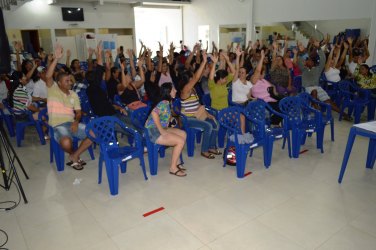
<point>210,132</point>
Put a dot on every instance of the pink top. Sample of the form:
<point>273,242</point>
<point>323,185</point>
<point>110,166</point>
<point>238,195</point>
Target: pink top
<point>260,90</point>
<point>164,78</point>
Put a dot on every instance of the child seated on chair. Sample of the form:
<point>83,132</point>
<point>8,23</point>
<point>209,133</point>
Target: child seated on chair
<point>160,133</point>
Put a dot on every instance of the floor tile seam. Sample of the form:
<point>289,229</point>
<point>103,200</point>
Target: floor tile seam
<point>361,230</point>
<point>280,234</point>
<point>333,235</point>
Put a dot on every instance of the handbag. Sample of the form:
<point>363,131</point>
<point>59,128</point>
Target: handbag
<point>136,105</point>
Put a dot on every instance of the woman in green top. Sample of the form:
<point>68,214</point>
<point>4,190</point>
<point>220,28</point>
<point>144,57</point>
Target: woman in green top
<point>218,83</point>
<point>160,133</point>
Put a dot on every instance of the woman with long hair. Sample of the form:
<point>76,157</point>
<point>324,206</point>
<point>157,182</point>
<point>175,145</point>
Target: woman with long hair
<point>160,133</point>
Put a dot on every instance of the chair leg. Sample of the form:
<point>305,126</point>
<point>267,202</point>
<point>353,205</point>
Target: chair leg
<point>40,133</point>
<point>241,157</point>
<point>357,114</point>
<point>320,138</point>
<point>100,167</point>
<point>332,129</point>
<point>142,164</point>
<point>296,140</point>
<point>268,151</point>
<point>350,142</point>
<point>221,136</point>
<point>190,143</point>
<point>9,123</point>
<point>371,155</point>
<point>91,152</point>
<point>112,176</point>
<point>371,110</point>
<point>59,157</point>
<point>123,167</point>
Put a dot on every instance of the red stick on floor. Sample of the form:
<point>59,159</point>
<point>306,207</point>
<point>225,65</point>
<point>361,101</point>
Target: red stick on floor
<point>303,151</point>
<point>153,211</point>
<point>246,174</point>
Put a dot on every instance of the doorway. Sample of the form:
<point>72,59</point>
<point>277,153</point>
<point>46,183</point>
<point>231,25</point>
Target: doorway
<point>30,40</point>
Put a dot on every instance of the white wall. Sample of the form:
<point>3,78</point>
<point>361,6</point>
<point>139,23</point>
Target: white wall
<point>213,13</point>
<point>332,27</point>
<point>37,14</point>
<point>266,11</point>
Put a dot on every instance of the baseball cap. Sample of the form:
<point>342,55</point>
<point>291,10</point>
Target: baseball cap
<point>41,69</point>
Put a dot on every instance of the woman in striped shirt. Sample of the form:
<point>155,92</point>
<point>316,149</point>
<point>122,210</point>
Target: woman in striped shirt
<point>196,114</point>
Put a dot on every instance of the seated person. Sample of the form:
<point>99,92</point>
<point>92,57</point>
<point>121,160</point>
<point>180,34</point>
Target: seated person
<point>261,88</point>
<point>40,88</point>
<point>160,133</point>
<point>334,62</point>
<point>366,79</point>
<point>240,86</point>
<point>64,112</point>
<point>22,102</point>
<point>218,83</point>
<point>280,75</point>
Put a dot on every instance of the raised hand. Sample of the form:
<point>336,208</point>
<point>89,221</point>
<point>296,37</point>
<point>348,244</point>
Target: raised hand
<point>316,43</point>
<point>122,66</point>
<point>345,45</point>
<point>238,51</point>
<point>18,46</point>
<point>140,62</point>
<point>58,51</point>
<point>204,56</point>
<point>90,51</point>
<point>130,53</point>
<point>214,58</point>
<point>99,47</point>
<point>107,54</point>
<point>275,46</point>
<point>160,47</point>
<point>69,53</point>
<point>262,54</point>
<point>295,51</point>
<point>172,48</point>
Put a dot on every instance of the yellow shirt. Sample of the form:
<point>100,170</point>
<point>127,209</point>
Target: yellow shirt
<point>61,106</point>
<point>219,93</point>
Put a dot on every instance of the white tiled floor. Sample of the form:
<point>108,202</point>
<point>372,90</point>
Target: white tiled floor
<point>296,204</point>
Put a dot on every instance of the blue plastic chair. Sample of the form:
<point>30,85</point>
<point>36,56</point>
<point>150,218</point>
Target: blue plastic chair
<point>192,132</point>
<point>264,135</point>
<point>8,119</point>
<point>229,118</point>
<point>297,83</point>
<point>21,125</point>
<point>139,118</point>
<point>325,108</point>
<point>88,113</point>
<point>331,88</point>
<point>102,131</point>
<point>353,101</point>
<point>55,148</point>
<point>302,120</point>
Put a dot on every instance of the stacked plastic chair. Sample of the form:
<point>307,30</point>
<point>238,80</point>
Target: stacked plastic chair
<point>55,148</point>
<point>325,108</point>
<point>302,120</point>
<point>102,131</point>
<point>229,118</point>
<point>139,118</point>
<point>353,101</point>
<point>265,135</point>
<point>21,125</point>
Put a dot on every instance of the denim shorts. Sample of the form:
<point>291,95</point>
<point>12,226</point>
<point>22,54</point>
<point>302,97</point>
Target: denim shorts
<point>153,134</point>
<point>64,130</point>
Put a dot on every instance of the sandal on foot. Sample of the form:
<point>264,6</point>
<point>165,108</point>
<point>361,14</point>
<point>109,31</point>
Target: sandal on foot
<point>208,155</point>
<point>215,151</point>
<point>178,171</point>
<point>181,167</point>
<point>77,166</point>
<point>81,162</point>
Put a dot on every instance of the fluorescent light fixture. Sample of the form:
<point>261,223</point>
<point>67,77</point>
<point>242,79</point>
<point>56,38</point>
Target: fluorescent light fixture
<point>49,2</point>
<point>167,3</point>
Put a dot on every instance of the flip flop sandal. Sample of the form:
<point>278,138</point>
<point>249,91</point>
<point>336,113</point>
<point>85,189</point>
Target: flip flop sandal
<point>209,155</point>
<point>181,167</point>
<point>77,166</point>
<point>176,173</point>
<point>82,162</point>
<point>215,151</point>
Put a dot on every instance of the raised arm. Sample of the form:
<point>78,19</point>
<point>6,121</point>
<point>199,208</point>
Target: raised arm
<point>256,75</point>
<point>187,64</point>
<point>140,82</point>
<point>160,56</point>
<point>343,55</point>
<point>230,65</point>
<point>148,60</point>
<point>90,52</point>
<point>189,86</point>
<point>18,47</point>
<point>68,56</point>
<point>98,53</point>
<point>124,84</point>
<point>131,63</point>
<point>214,58</point>
<point>31,72</point>
<point>109,63</point>
<point>330,57</point>
<point>171,54</point>
<point>51,68</point>
<point>237,64</point>
<point>274,55</point>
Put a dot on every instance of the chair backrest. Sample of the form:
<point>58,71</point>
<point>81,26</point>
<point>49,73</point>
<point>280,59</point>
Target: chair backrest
<point>297,83</point>
<point>373,69</point>
<point>102,131</point>
<point>7,106</point>
<point>305,97</point>
<point>255,111</point>
<point>206,100</point>
<point>291,106</point>
<point>176,106</point>
<point>139,117</point>
<point>117,101</point>
<point>230,119</point>
<point>85,104</point>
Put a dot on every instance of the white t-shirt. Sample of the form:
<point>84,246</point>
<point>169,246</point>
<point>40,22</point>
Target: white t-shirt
<point>40,89</point>
<point>240,91</point>
<point>333,75</point>
<point>30,87</point>
<point>3,91</point>
<point>352,67</point>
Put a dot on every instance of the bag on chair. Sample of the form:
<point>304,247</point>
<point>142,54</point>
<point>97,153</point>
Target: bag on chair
<point>230,156</point>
